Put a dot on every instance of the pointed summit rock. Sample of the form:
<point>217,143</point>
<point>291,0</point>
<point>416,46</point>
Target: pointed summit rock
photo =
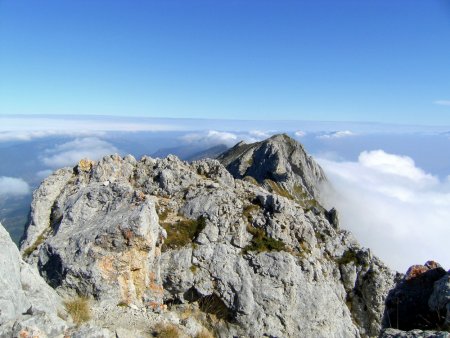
<point>280,164</point>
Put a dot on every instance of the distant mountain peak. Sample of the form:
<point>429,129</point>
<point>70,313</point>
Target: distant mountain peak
<point>279,160</point>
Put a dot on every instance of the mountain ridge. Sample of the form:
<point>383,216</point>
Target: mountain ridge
<point>157,237</point>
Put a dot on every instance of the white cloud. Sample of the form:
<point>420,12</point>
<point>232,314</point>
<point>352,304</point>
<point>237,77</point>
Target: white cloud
<point>27,128</point>
<point>337,134</point>
<point>300,133</point>
<point>392,207</point>
<point>29,135</point>
<point>213,137</point>
<point>11,186</point>
<point>68,154</point>
<point>442,102</point>
<point>259,134</point>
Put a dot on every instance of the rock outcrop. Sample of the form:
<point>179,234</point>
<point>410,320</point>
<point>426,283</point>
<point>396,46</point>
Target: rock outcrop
<point>420,300</point>
<point>251,255</point>
<point>28,306</point>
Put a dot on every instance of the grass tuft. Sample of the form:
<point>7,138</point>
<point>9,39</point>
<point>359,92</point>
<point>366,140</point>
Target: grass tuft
<point>204,333</point>
<point>182,232</point>
<point>79,309</point>
<point>261,242</point>
<point>249,210</point>
<point>38,242</point>
<point>277,189</point>
<point>164,330</point>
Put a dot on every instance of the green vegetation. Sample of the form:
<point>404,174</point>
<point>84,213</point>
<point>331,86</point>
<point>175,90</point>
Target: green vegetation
<point>277,189</point>
<point>349,256</point>
<point>251,180</point>
<point>193,268</point>
<point>261,242</point>
<point>79,309</point>
<point>249,210</point>
<point>38,242</point>
<point>303,198</point>
<point>163,214</point>
<point>182,232</point>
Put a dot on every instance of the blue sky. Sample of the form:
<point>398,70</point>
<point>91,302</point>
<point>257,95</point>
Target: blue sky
<point>359,60</point>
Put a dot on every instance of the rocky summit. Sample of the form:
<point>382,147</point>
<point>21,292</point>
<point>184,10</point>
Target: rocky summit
<point>234,247</point>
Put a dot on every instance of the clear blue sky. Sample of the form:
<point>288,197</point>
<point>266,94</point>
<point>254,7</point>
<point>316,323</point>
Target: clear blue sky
<point>358,60</point>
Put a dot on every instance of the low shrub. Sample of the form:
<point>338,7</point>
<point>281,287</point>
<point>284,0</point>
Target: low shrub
<point>261,242</point>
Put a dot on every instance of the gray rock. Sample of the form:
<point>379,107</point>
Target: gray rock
<point>28,306</point>
<point>279,159</point>
<point>393,333</point>
<point>41,207</point>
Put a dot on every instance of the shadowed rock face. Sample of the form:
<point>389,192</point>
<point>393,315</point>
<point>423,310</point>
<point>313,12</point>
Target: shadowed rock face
<point>419,300</point>
<point>279,159</point>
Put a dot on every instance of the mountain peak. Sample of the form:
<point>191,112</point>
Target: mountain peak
<point>278,163</point>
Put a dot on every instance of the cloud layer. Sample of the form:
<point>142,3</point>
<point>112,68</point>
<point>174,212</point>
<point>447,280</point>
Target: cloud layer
<point>213,137</point>
<point>69,153</point>
<point>11,186</point>
<point>392,206</point>
<point>336,134</point>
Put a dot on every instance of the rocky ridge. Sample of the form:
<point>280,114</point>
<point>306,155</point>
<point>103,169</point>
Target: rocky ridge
<point>189,244</point>
<point>280,164</point>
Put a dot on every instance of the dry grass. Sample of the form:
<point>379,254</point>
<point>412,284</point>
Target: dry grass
<point>79,309</point>
<point>249,211</point>
<point>204,333</point>
<point>275,188</point>
<point>38,242</point>
<point>165,330</point>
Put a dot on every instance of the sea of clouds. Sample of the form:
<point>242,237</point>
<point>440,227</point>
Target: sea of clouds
<point>397,209</point>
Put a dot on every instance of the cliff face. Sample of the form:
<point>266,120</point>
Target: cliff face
<point>161,240</point>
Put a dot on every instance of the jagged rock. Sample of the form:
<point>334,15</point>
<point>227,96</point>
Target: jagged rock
<point>440,299</point>
<point>393,333</point>
<point>259,260</point>
<point>41,208</point>
<point>280,160</point>
<point>407,305</point>
<point>28,306</point>
<point>106,244</point>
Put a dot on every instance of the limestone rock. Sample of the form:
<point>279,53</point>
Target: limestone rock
<point>28,306</point>
<point>279,163</point>
<point>41,207</point>
<point>393,333</point>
